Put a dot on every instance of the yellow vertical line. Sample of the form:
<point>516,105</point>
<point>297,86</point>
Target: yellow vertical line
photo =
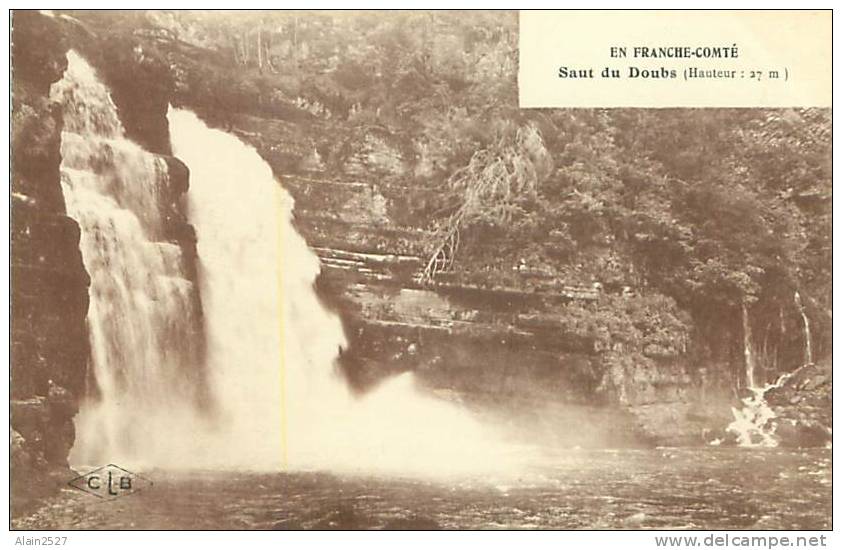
<point>282,340</point>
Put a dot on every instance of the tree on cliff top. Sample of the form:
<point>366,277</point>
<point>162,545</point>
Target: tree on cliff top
<point>492,189</point>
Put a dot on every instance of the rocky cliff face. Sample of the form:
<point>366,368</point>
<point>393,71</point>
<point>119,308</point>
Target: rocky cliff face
<point>529,352</point>
<point>49,283</point>
<point>802,403</point>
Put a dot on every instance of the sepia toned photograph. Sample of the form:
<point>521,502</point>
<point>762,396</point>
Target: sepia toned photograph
<point>324,270</point>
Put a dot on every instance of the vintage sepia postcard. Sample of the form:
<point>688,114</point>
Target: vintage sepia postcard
<point>421,270</point>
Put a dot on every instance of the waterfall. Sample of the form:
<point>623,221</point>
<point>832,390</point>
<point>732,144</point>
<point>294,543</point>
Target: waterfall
<point>142,371</point>
<point>808,340</point>
<point>264,392</point>
<point>753,424</point>
<point>748,355</point>
<point>272,345</point>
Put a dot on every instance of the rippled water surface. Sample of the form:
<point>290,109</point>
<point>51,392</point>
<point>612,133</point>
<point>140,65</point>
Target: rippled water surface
<point>709,488</point>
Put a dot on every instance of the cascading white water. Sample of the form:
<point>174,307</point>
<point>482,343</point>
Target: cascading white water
<point>272,346</point>
<point>808,339</point>
<point>142,308</point>
<point>751,424</point>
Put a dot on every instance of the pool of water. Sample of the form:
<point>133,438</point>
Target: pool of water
<point>709,488</point>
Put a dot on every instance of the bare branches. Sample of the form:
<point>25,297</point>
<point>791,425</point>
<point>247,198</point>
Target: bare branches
<point>491,187</point>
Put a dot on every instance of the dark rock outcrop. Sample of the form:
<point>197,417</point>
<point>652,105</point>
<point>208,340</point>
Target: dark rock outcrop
<point>803,406</point>
<point>49,284</point>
